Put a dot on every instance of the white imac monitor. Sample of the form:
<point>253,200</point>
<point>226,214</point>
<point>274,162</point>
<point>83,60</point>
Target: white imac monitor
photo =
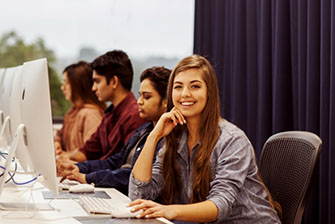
<point>5,131</point>
<point>12,95</point>
<point>15,117</point>
<point>35,129</point>
<point>37,118</point>
<point>2,77</point>
<point>14,100</point>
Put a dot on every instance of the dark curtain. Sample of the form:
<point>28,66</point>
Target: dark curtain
<point>275,65</point>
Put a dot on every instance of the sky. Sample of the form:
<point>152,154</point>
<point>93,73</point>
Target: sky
<point>139,27</point>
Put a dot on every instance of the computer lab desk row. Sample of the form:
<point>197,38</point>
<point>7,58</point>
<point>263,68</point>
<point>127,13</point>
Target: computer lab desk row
<point>66,210</point>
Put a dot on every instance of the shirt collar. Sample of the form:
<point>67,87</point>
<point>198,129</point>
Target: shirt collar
<point>109,109</point>
<point>183,142</point>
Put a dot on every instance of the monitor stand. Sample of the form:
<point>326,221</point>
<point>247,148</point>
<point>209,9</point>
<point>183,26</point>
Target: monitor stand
<point>18,206</point>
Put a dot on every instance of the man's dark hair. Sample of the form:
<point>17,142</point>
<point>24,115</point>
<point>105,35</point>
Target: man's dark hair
<point>115,63</point>
<point>159,77</point>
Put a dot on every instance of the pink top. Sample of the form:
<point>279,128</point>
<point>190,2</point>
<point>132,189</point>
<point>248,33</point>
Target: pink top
<point>78,126</point>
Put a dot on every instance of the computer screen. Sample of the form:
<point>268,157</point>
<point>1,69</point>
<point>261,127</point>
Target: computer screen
<point>11,104</point>
<point>2,77</point>
<point>14,100</point>
<point>6,88</point>
<point>33,139</point>
<point>5,131</point>
<point>37,118</point>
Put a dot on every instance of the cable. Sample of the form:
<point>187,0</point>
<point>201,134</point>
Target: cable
<point>13,160</point>
<point>12,177</point>
<point>23,183</point>
<point>2,154</point>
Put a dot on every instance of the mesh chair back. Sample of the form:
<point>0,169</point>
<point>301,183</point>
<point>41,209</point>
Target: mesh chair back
<point>288,162</point>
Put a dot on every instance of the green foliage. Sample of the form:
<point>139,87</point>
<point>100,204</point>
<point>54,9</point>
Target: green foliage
<point>14,51</point>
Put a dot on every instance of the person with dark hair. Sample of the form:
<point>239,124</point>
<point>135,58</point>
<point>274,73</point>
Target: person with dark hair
<point>83,118</point>
<point>115,170</point>
<point>112,81</point>
<point>206,170</point>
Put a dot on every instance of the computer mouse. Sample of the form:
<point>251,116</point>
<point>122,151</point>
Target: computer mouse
<point>125,212</point>
<point>82,188</point>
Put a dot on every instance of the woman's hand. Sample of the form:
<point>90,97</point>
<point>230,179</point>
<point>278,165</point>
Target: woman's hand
<point>153,210</point>
<point>167,122</point>
<point>142,170</point>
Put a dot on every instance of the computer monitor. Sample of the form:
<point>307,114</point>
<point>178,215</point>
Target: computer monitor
<point>37,118</point>
<point>2,115</point>
<point>35,129</point>
<point>15,98</point>
<point>5,131</point>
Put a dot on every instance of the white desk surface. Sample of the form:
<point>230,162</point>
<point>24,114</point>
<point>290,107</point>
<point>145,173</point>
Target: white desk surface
<point>67,208</point>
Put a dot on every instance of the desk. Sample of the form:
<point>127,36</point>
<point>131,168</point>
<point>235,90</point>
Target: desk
<point>68,208</point>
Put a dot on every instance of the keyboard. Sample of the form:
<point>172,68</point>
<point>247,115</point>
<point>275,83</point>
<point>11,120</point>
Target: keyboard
<point>95,205</point>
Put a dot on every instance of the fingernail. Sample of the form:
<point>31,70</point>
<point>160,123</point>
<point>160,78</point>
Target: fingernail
<point>147,216</point>
<point>133,209</point>
<point>138,216</point>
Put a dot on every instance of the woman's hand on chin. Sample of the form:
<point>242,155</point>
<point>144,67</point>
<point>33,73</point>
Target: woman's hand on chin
<point>167,122</point>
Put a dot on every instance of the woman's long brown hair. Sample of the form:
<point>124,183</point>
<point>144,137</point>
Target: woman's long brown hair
<point>208,132</point>
<point>81,82</point>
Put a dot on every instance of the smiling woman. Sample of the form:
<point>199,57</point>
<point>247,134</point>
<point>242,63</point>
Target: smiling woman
<point>206,171</point>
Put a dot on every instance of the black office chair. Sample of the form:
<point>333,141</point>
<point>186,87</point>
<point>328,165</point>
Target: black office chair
<point>287,165</point>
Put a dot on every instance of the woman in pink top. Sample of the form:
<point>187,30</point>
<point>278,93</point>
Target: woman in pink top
<point>85,115</point>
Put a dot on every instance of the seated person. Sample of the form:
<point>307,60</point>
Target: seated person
<point>115,170</point>
<point>112,81</point>
<point>85,115</point>
<point>206,170</point>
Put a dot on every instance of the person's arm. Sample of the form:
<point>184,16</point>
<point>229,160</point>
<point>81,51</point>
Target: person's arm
<point>110,163</point>
<point>92,147</point>
<point>205,211</point>
<point>78,156</point>
<point>59,134</point>
<point>118,179</point>
<point>234,154</point>
<point>142,170</point>
<point>57,141</point>
<point>90,121</point>
<point>79,171</point>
